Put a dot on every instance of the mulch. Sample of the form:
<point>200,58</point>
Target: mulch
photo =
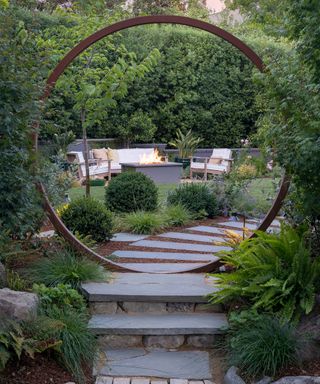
<point>309,368</point>
<point>41,370</point>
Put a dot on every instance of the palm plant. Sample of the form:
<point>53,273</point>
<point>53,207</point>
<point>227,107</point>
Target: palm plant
<point>276,273</point>
<point>185,143</point>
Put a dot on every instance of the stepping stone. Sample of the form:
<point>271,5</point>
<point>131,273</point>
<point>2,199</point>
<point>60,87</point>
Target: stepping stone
<point>148,287</point>
<point>157,363</point>
<point>237,224</point>
<point>180,246</point>
<point>215,230</point>
<point>191,237</point>
<point>164,256</point>
<point>127,237</point>
<point>162,267</point>
<point>158,324</point>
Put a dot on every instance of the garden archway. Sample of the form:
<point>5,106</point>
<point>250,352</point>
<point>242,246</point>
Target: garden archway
<point>84,44</point>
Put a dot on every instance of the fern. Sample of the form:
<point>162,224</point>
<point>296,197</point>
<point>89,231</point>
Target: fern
<point>275,273</point>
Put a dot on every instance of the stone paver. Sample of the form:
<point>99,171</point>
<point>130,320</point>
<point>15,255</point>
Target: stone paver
<point>127,237</point>
<point>178,381</point>
<point>140,380</point>
<point>157,364</point>
<point>191,237</point>
<point>121,380</point>
<point>238,224</point>
<point>214,230</point>
<point>180,246</point>
<point>104,380</point>
<point>162,267</point>
<point>188,287</point>
<point>158,324</point>
<point>164,255</point>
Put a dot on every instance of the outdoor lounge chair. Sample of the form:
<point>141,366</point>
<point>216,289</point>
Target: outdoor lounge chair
<point>218,163</point>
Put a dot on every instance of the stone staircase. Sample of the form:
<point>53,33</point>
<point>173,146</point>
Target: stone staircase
<point>155,326</point>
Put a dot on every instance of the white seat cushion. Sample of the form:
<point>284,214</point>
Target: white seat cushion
<point>133,155</point>
<point>210,167</point>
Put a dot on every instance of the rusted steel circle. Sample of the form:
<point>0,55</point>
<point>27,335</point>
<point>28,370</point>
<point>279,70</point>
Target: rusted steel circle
<point>84,44</point>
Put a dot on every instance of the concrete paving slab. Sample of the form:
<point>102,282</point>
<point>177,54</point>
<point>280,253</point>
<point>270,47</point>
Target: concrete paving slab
<point>158,324</point>
<point>179,246</point>
<point>162,267</point>
<point>165,255</point>
<point>184,288</point>
<point>127,237</point>
<point>157,364</point>
<point>238,224</point>
<point>214,230</point>
<point>190,236</point>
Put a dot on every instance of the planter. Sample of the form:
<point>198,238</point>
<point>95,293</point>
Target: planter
<point>185,162</point>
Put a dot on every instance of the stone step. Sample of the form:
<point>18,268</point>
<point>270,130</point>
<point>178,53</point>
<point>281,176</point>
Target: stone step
<point>180,246</point>
<point>148,287</point>
<point>159,324</point>
<point>190,236</point>
<point>138,362</point>
<point>165,256</point>
<point>162,267</point>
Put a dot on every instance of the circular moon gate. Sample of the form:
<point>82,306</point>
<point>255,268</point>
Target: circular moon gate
<point>84,44</point>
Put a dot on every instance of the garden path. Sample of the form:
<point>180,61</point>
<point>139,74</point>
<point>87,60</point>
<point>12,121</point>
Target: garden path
<point>178,251</point>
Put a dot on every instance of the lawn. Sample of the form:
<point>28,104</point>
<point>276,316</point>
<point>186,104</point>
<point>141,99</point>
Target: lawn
<point>98,192</point>
<point>259,189</point>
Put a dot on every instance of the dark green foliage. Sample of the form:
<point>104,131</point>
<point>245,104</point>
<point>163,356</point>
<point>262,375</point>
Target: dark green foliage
<point>275,273</point>
<point>65,268</point>
<point>88,216</point>
<point>78,342</point>
<point>131,191</point>
<point>97,182</point>
<point>20,209</point>
<point>198,199</point>
<point>200,83</point>
<point>262,345</point>
<point>61,296</point>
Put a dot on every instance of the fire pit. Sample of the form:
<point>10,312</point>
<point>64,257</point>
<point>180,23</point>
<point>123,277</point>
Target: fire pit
<point>158,170</point>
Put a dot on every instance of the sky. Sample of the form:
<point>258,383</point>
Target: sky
<point>215,5</point>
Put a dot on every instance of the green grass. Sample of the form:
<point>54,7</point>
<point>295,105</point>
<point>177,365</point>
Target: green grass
<point>99,192</point>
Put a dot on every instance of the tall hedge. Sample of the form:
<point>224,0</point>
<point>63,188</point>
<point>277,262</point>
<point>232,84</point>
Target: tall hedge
<point>201,83</point>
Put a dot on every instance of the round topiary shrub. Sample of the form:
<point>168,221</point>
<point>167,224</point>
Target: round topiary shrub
<point>198,199</point>
<point>131,191</point>
<point>88,216</point>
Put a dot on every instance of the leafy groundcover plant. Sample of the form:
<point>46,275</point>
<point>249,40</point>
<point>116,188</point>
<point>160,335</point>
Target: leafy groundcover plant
<point>275,273</point>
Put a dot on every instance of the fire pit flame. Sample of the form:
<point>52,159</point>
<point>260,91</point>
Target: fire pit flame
<point>153,158</point>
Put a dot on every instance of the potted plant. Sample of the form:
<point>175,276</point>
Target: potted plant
<point>186,143</point>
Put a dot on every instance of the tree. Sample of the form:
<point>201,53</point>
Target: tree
<point>93,81</point>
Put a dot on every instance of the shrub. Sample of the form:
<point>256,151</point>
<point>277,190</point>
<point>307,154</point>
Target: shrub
<point>78,342</point>
<point>262,345</point>
<point>65,268</point>
<point>97,182</point>
<point>246,171</point>
<point>88,217</point>
<point>61,296</point>
<point>275,273</point>
<point>197,198</point>
<point>144,222</point>
<point>177,215</point>
<point>131,191</point>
